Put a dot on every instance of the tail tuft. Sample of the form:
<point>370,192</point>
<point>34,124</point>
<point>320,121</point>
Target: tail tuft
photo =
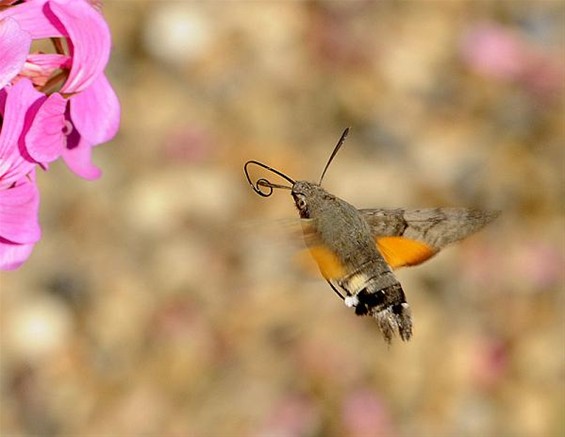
<point>394,319</point>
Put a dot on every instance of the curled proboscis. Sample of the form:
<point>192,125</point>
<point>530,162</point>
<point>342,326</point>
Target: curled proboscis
<point>264,182</point>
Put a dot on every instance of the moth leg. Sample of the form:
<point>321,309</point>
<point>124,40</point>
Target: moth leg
<point>336,290</point>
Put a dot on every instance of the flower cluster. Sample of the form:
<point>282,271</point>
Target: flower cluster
<point>52,105</point>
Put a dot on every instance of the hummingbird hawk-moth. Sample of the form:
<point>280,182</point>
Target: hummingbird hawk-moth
<point>356,250</point>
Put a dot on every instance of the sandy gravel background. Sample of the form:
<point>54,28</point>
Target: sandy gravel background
<point>163,299</point>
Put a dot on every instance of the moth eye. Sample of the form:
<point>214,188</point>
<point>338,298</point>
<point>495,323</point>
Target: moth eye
<point>301,202</point>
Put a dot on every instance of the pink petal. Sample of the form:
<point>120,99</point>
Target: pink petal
<point>14,48</point>
<point>78,157</point>
<point>13,255</point>
<point>48,61</point>
<point>96,112</point>
<point>19,109</point>
<point>39,67</point>
<point>90,40</point>
<point>19,209</point>
<point>45,139</point>
<point>35,18</point>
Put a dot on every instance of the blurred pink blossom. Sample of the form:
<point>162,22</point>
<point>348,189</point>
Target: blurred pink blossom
<point>494,51</point>
<point>490,362</point>
<point>293,415</point>
<point>535,266</point>
<point>365,414</point>
<point>189,144</point>
<point>54,105</point>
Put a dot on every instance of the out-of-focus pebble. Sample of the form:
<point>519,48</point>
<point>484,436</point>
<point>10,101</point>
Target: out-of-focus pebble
<point>38,330</point>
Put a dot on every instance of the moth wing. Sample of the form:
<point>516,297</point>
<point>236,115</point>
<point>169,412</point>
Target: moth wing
<point>407,237</point>
<point>400,251</point>
<point>299,239</point>
<point>315,257</point>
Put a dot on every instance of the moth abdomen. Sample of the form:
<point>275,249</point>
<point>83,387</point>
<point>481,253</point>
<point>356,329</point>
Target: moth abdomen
<point>393,319</point>
<point>367,301</point>
<point>380,296</point>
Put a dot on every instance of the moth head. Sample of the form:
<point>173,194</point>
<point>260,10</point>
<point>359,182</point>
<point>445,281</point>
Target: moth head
<point>303,192</point>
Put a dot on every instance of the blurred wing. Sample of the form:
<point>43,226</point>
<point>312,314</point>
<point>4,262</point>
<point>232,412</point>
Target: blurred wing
<point>316,257</point>
<point>285,231</point>
<point>324,260</point>
<point>408,237</point>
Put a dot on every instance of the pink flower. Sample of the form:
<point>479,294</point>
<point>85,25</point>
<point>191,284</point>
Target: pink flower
<point>92,113</point>
<point>19,198</point>
<point>52,105</point>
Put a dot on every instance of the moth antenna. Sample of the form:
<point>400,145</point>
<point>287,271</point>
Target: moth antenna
<point>336,149</point>
<point>263,182</point>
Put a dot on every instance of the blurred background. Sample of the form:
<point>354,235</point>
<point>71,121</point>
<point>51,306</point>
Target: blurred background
<point>163,298</point>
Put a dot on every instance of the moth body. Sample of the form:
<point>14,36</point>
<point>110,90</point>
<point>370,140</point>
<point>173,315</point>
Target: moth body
<point>341,243</point>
